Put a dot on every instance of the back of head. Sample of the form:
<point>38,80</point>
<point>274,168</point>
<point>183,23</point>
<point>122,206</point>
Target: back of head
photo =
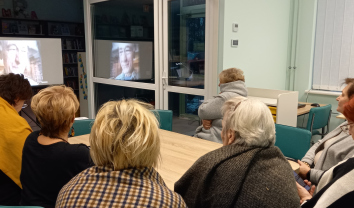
<point>231,75</point>
<point>55,108</point>
<point>125,135</point>
<point>14,87</point>
<point>251,120</point>
<point>349,110</point>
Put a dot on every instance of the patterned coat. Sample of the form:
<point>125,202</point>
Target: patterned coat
<point>104,187</point>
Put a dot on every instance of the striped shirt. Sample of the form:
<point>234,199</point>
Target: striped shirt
<point>104,187</point>
<point>336,187</point>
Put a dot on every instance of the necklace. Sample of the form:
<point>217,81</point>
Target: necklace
<point>55,138</point>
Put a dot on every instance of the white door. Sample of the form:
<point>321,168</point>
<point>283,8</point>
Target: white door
<point>189,74</point>
<point>159,51</point>
<point>122,40</point>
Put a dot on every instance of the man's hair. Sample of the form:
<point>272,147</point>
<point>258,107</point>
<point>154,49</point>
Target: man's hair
<point>351,87</point>
<point>231,75</point>
<point>251,120</point>
<point>125,135</point>
<point>14,87</point>
<point>55,108</point>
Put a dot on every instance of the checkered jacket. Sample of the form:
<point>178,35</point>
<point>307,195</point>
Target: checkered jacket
<point>104,187</point>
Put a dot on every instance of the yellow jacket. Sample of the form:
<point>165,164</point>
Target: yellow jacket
<point>13,133</point>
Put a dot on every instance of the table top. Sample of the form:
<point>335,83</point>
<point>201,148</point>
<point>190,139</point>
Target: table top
<point>341,116</point>
<point>178,153</point>
<point>306,109</point>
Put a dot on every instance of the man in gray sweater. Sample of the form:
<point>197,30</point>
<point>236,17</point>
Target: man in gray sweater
<point>232,84</point>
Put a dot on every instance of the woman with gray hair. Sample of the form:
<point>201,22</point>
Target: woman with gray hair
<point>248,171</point>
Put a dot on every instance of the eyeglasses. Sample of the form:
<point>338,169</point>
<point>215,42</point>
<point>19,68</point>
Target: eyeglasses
<point>24,105</point>
<point>345,128</point>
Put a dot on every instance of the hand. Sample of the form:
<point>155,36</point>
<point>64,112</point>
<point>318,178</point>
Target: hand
<point>303,193</point>
<point>303,169</point>
<point>312,190</point>
<point>207,124</point>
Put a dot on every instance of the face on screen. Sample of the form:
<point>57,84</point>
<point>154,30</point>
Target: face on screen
<point>16,53</point>
<point>126,56</point>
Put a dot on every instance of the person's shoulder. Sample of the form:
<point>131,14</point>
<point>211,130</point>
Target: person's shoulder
<point>120,77</point>
<point>76,148</point>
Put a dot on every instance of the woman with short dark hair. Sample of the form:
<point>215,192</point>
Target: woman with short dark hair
<point>14,91</point>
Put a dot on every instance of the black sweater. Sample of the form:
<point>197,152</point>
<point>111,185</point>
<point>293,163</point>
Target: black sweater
<point>47,168</point>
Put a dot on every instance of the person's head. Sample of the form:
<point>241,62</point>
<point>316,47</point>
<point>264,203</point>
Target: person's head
<point>55,108</point>
<point>15,54</point>
<point>126,53</point>
<point>125,135</point>
<point>247,122</point>
<point>231,75</point>
<point>348,111</point>
<point>347,94</point>
<point>15,89</point>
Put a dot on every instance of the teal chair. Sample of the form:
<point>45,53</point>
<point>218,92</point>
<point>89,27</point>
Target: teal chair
<point>293,142</point>
<point>165,119</point>
<point>319,118</point>
<point>82,127</point>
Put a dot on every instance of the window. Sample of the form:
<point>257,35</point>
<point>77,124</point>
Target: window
<point>334,45</point>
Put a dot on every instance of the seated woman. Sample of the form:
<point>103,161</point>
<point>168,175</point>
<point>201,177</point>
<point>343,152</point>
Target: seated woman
<point>333,148</point>
<point>125,146</point>
<point>48,160</point>
<point>248,171</point>
<point>335,188</point>
<point>232,84</point>
<point>14,91</point>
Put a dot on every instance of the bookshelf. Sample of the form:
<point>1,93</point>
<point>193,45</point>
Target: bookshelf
<point>71,34</point>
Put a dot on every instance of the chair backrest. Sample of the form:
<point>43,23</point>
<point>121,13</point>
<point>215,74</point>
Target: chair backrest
<point>319,117</point>
<point>293,142</point>
<point>165,119</point>
<point>83,126</point>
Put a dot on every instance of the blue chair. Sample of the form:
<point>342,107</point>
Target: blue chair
<point>165,119</point>
<point>319,118</point>
<point>83,126</point>
<point>293,142</point>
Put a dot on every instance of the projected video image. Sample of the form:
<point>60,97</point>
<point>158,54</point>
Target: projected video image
<point>125,61</point>
<point>21,57</point>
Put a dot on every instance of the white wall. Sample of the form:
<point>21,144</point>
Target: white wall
<point>263,40</point>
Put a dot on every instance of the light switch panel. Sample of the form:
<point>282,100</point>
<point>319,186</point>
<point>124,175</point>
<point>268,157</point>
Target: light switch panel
<point>234,27</point>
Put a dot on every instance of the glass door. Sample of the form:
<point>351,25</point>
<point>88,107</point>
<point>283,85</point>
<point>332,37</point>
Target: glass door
<point>185,75</point>
<point>122,51</point>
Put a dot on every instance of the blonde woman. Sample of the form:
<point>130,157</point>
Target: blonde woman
<point>48,160</point>
<point>125,147</point>
<point>248,171</point>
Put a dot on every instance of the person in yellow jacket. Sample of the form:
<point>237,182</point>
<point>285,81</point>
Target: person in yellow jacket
<point>14,91</point>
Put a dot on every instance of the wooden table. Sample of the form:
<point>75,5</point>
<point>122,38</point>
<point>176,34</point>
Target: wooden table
<point>178,153</point>
<point>341,116</point>
<point>306,109</point>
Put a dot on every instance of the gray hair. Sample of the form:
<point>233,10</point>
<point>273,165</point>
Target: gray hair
<point>251,120</point>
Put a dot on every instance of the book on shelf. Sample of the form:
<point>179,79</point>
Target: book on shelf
<point>65,29</point>
<point>22,29</point>
<point>32,30</point>
<point>5,27</point>
<point>68,44</point>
